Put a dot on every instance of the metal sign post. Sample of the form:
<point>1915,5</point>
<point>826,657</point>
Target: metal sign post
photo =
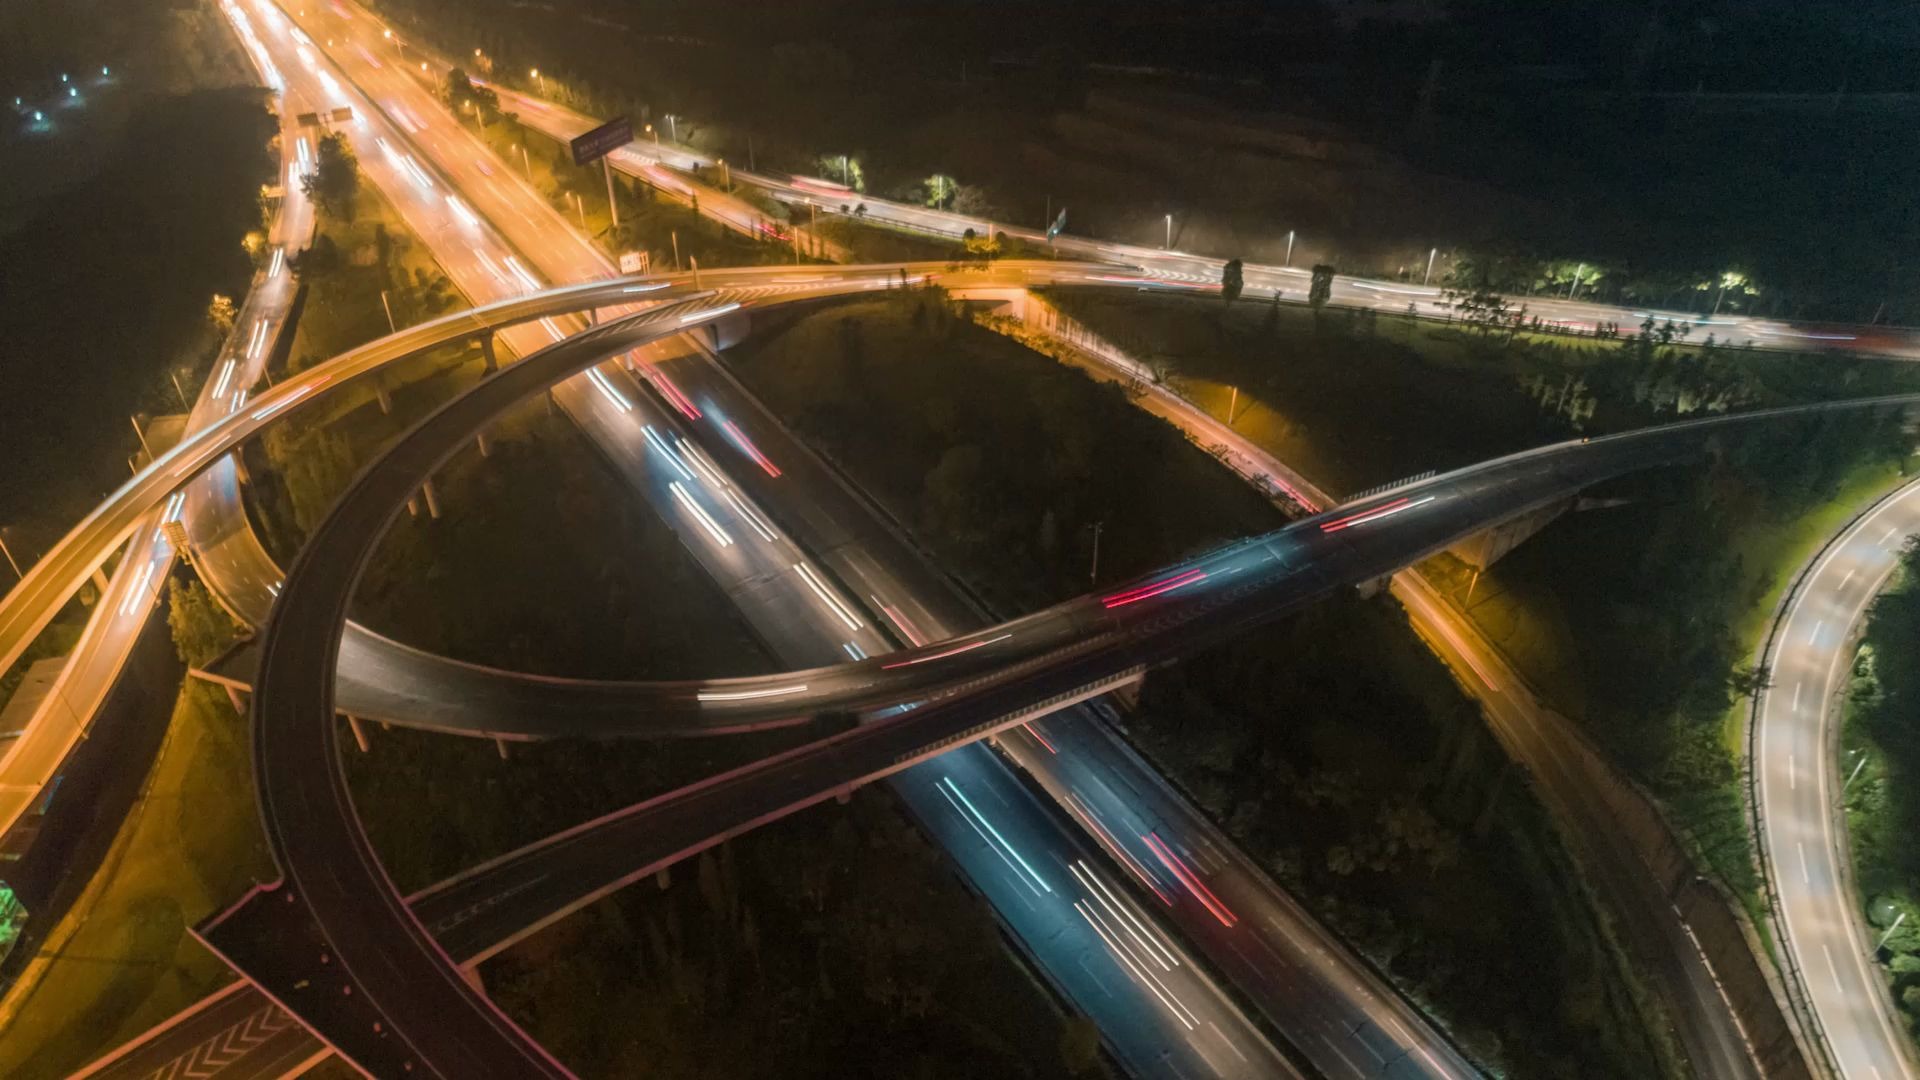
<point>598,143</point>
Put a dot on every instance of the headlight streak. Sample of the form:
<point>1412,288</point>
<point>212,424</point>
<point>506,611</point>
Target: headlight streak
<point>751,695</point>
<point>826,596</point>
<point>706,522</point>
<point>654,440</point>
<point>752,520</point>
<point>991,836</point>
<point>606,388</point>
<point>944,653</point>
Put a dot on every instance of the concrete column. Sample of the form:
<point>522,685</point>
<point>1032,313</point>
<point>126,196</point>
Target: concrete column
<point>480,441</point>
<point>380,393</point>
<point>240,468</point>
<point>100,581</point>
<point>359,733</point>
<point>664,878</point>
<point>501,745</point>
<point>844,796</point>
<point>593,316</point>
<point>433,502</point>
<point>233,698</point>
<point>472,975</point>
<point>413,506</point>
<point>486,352</point>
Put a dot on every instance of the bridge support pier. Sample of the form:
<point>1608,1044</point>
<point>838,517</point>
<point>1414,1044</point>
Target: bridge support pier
<point>844,796</point>
<point>240,472</point>
<point>413,506</point>
<point>359,733</point>
<point>480,441</point>
<point>664,878</point>
<point>380,394</point>
<point>486,352</point>
<point>100,581</point>
<point>501,745</point>
<point>234,699</point>
<point>433,501</point>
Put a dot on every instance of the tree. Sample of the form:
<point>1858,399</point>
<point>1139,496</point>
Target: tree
<point>1322,288</point>
<point>459,93</point>
<point>201,628</point>
<point>941,191</point>
<point>335,177</point>
<point>1232,280</point>
<point>220,314</point>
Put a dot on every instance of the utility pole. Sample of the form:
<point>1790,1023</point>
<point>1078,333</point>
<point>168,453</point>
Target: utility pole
<point>1577,271</point>
<point>676,250</point>
<point>391,329</point>
<point>1093,575</point>
<point>1169,244</point>
<point>1431,252</point>
<point>1289,247</point>
<point>696,270</point>
<point>580,208</point>
<point>1232,404</point>
<point>184,403</point>
<point>613,208</point>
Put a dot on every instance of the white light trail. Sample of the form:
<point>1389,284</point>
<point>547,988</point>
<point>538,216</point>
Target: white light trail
<point>826,596</point>
<point>706,522</point>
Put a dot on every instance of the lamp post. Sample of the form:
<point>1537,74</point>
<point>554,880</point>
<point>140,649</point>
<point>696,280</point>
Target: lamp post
<point>543,80</point>
<point>1169,243</point>
<point>525,162</point>
<point>1431,252</point>
<point>1289,247</point>
<point>9,554</point>
<point>656,139</point>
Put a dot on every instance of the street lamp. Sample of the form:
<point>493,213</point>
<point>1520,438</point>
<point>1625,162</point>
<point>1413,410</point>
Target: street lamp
<point>1289,247</point>
<point>543,80</point>
<point>1431,252</point>
<point>525,163</point>
<point>1169,244</point>
<point>656,136</point>
<point>9,554</point>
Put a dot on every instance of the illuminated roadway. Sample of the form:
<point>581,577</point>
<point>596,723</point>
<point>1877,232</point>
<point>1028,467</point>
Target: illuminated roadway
<point>1181,268</point>
<point>427,1015</point>
<point>1799,790</point>
<point>844,555</point>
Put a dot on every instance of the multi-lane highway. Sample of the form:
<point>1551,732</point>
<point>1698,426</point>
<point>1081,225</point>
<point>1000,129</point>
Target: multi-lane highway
<point>1799,790</point>
<point>611,400</point>
<point>415,994</point>
<point>846,557</point>
<point>30,761</point>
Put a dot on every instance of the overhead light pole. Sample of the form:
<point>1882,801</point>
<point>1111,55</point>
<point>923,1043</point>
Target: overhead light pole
<point>1169,243</point>
<point>1431,252</point>
<point>542,79</point>
<point>1289,247</point>
<point>9,554</point>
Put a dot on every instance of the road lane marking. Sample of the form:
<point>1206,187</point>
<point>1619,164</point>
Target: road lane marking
<point>1834,970</point>
<point>1803,862</point>
<point>1331,1045</point>
<point>1817,627</point>
<point>1796,696</point>
<point>1849,577</point>
<point>1223,1038</point>
<point>1890,531</point>
<point>1793,773</point>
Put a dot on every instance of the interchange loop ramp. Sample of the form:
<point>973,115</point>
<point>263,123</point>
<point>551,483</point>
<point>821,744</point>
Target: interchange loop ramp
<point>427,1010</point>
